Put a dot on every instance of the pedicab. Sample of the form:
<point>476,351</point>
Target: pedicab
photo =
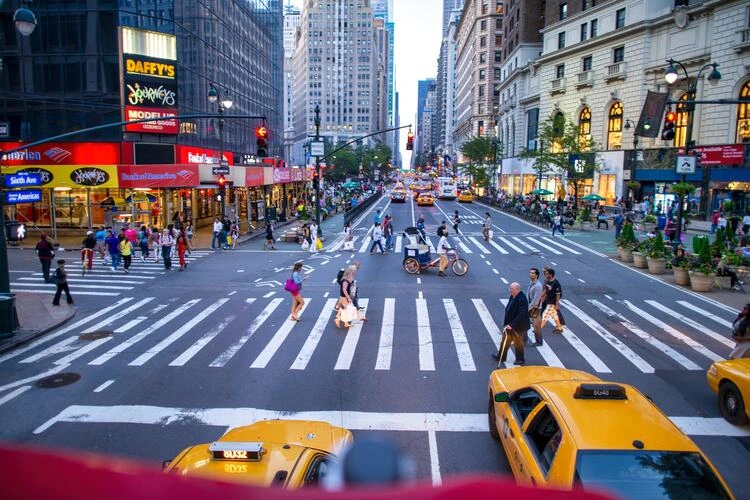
<point>417,255</point>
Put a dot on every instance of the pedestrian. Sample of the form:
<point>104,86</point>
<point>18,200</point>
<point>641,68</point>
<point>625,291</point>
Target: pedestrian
<point>348,237</point>
<point>143,238</point>
<point>113,247</point>
<point>487,226</point>
<point>442,228</point>
<point>126,250</point>
<point>61,280</point>
<point>420,228</point>
<point>155,239</point>
<point>551,300</point>
<point>516,324</point>
<point>741,334</point>
<point>456,221</point>
<point>618,220</point>
<point>297,300</point>
<point>181,249</point>
<point>714,221</point>
<point>670,230</point>
<point>131,234</point>
<point>722,223</point>
<point>45,251</point>
<point>101,246</point>
<point>602,219</point>
<point>216,239</point>
<point>376,217</point>
<point>166,248</point>
<point>442,251</point>
<point>535,305</point>
<point>87,250</point>
<point>313,238</point>
<point>345,299</point>
<point>235,234</point>
<point>269,237</point>
<point>746,224</point>
<point>377,238</point>
<point>557,224</point>
<point>388,232</point>
<point>189,232</point>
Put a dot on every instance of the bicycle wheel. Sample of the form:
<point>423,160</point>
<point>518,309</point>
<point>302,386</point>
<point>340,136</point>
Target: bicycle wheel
<point>460,267</point>
<point>411,265</point>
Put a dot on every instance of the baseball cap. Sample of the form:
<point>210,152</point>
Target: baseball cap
<point>88,233</point>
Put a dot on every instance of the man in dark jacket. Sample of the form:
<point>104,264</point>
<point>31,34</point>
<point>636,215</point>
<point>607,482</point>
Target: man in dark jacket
<point>45,251</point>
<point>516,325</point>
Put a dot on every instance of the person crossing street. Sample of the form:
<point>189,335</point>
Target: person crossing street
<point>516,324</point>
<point>487,226</point>
<point>442,251</point>
<point>535,305</point>
<point>551,300</point>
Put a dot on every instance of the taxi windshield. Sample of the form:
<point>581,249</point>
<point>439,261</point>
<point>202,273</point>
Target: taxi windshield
<point>648,474</point>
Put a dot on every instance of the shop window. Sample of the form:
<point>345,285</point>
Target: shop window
<point>743,116</point>
<point>680,124</point>
<point>614,126</point>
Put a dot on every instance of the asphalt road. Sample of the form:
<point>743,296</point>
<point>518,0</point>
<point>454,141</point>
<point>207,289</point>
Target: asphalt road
<point>177,357</point>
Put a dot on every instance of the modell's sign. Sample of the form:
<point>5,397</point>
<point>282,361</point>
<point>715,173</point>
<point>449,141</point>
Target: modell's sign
<point>150,93</point>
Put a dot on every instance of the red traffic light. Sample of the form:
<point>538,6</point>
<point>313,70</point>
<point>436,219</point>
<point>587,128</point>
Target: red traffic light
<point>261,132</point>
<point>221,181</point>
<point>670,117</point>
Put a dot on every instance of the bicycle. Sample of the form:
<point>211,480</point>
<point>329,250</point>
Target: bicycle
<point>85,252</point>
<point>457,265</point>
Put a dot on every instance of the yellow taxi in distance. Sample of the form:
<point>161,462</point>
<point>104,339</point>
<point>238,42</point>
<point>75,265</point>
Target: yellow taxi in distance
<point>285,453</point>
<point>566,428</point>
<point>425,199</point>
<point>731,381</point>
<point>466,196</point>
<point>398,195</point>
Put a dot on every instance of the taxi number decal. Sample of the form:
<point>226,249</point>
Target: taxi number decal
<point>235,468</point>
<point>601,392</point>
<point>235,454</point>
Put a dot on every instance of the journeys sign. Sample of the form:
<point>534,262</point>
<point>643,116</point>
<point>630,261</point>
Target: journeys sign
<point>150,91</point>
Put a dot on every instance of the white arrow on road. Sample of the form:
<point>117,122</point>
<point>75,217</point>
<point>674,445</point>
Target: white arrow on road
<point>272,283</point>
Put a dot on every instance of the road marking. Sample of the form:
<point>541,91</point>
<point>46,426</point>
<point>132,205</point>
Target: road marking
<point>385,346</point>
<point>194,349</point>
<point>495,271</point>
<point>523,243</point>
<point>498,247</point>
<point>426,356</point>
<point>434,459</point>
<point>365,241</point>
<point>489,322</point>
<point>579,279</point>
<point>269,294</point>
<point>80,352</point>
<point>705,313</point>
<point>313,339</point>
<point>554,251</point>
<point>399,242</point>
<point>511,245</point>
<point>346,354</point>
<point>420,295</point>
<point>704,329</point>
<point>504,280</point>
<point>554,242</point>
<point>222,359</point>
<point>52,371</point>
<point>104,385</point>
<point>281,334</point>
<point>465,360</point>
<point>588,355</point>
<point>462,245</point>
<point>481,247</point>
<point>14,394</point>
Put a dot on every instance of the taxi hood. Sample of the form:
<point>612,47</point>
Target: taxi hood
<point>510,379</point>
<point>307,434</point>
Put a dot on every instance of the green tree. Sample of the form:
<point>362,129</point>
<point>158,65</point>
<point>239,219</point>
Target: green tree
<point>482,154</point>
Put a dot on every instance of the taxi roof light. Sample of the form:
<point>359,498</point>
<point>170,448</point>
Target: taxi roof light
<point>600,391</point>
<point>236,451</point>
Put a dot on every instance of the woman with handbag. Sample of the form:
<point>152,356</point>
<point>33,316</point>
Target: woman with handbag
<point>345,306</point>
<point>294,286</point>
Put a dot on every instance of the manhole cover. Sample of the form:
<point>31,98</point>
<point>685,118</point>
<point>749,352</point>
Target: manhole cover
<point>98,334</point>
<point>58,380</point>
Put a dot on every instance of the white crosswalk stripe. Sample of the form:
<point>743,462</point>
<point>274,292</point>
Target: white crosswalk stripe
<point>481,247</point>
<point>555,242</point>
<point>399,243</point>
<point>498,247</point>
<point>705,313</point>
<point>511,245</point>
<point>624,326</point>
<point>462,245</point>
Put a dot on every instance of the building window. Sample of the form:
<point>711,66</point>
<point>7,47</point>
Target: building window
<point>483,25</point>
<point>481,91</point>
<point>480,128</point>
<point>482,74</point>
<point>563,10</point>
<point>587,63</point>
<point>483,41</point>
<point>594,28</point>
<point>584,31</point>
<point>499,8</point>
<point>498,56</point>
<point>614,126</point>
<point>680,124</point>
<point>587,4</point>
<point>482,57</point>
<point>584,124</point>
<point>561,40</point>
<point>620,19</point>
<point>485,7</point>
<point>560,71</point>
<point>532,125</point>
<point>497,73</point>
<point>743,116</point>
<point>618,54</point>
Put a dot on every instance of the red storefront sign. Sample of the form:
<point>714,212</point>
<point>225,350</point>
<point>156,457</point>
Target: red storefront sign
<point>282,175</point>
<point>298,174</point>
<point>196,155</point>
<point>63,153</point>
<point>253,176</point>
<point>166,124</point>
<point>727,154</point>
<point>157,176</point>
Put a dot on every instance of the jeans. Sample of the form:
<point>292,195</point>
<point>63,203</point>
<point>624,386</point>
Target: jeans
<point>215,238</point>
<point>165,251</point>
<point>389,242</point>
<point>45,268</point>
<point>558,228</point>
<point>618,230</point>
<point>115,259</point>
<point>379,244</point>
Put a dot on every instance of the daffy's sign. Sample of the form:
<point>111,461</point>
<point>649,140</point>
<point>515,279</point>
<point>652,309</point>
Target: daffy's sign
<point>150,91</point>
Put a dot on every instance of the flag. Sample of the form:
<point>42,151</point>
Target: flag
<point>651,114</point>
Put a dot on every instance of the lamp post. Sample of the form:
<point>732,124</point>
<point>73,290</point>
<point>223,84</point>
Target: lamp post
<point>316,188</point>
<point>25,22</point>
<point>224,103</point>
<point>670,75</point>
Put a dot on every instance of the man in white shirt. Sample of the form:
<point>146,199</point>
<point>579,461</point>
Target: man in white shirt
<point>218,226</point>
<point>442,250</point>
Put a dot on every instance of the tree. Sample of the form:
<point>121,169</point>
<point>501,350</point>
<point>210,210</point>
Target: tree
<point>482,154</point>
<point>561,149</point>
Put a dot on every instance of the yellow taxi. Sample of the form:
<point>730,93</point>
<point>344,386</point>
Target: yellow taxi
<point>731,381</point>
<point>285,453</point>
<point>426,199</point>
<point>566,428</point>
<point>466,196</point>
<point>398,195</point>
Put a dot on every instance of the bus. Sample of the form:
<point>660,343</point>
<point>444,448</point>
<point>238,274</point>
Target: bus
<point>447,189</point>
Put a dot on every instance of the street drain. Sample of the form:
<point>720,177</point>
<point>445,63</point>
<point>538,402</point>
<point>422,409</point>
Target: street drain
<point>58,380</point>
<point>96,335</point>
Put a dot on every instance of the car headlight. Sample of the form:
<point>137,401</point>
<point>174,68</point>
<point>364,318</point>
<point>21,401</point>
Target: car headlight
<point>712,371</point>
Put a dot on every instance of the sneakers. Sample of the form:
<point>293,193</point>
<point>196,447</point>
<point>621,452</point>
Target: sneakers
<point>519,362</point>
<point>441,273</point>
<point>126,271</point>
<point>557,331</point>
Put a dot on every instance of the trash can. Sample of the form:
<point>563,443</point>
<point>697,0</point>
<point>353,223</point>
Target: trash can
<point>8,316</point>
<point>11,230</point>
<point>661,222</point>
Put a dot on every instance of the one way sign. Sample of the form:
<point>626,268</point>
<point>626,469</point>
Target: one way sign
<point>685,165</point>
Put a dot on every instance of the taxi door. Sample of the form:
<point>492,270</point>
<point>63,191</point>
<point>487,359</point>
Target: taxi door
<point>517,412</point>
<point>542,438</point>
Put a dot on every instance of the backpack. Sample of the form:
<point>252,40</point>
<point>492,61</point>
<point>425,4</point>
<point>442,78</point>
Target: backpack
<point>340,276</point>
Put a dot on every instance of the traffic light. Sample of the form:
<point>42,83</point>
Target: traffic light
<point>261,135</point>
<point>667,131</point>
<point>315,180</point>
<point>410,141</point>
<point>222,182</point>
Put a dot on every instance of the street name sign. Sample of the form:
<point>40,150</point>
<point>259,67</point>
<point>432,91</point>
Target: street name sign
<point>685,165</point>
<point>224,163</point>
<point>220,170</point>
<point>23,180</point>
<point>317,148</point>
<point>23,196</point>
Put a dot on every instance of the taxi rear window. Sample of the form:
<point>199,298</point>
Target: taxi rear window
<point>649,474</point>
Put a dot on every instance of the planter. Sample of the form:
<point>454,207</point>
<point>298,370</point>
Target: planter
<point>647,227</point>
<point>681,276</point>
<point>723,282</point>
<point>656,266</point>
<point>639,260</point>
<point>626,255</point>
<point>700,282</point>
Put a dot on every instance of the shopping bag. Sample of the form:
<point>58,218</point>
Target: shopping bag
<point>490,233</point>
<point>229,239</point>
<point>349,245</point>
<point>350,313</point>
<point>291,286</point>
<point>305,245</point>
<point>318,244</point>
<point>550,314</point>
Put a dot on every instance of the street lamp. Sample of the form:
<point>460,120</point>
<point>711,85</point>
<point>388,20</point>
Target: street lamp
<point>224,103</point>
<point>670,75</point>
<point>24,19</point>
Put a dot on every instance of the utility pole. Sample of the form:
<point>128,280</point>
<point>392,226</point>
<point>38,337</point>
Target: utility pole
<point>317,172</point>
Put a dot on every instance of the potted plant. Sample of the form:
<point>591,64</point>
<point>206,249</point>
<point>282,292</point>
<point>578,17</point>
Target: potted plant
<point>656,257</point>
<point>680,270</point>
<point>649,223</point>
<point>584,218</point>
<point>626,243</point>
<point>639,254</point>
<point>702,270</point>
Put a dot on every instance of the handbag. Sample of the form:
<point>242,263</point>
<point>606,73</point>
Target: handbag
<point>534,312</point>
<point>305,245</point>
<point>291,286</point>
<point>350,313</point>
<point>318,244</point>
<point>490,233</point>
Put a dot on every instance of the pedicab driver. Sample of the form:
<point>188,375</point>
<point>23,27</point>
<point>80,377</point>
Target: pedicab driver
<point>442,251</point>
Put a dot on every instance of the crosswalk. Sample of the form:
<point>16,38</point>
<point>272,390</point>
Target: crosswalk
<point>102,280</point>
<point>602,335</point>
<point>505,244</point>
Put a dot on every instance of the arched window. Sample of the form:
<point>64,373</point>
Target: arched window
<point>584,123</point>
<point>680,124</point>
<point>743,116</point>
<point>558,130</point>
<point>614,126</point>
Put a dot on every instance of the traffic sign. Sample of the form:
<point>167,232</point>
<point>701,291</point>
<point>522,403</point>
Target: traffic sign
<point>23,180</point>
<point>224,163</point>
<point>317,148</point>
<point>685,165</point>
<point>220,170</point>
<point>23,196</point>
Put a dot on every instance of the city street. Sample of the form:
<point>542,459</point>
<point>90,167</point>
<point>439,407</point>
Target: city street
<point>168,359</point>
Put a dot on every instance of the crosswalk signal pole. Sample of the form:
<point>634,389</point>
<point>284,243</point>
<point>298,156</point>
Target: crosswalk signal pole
<point>316,187</point>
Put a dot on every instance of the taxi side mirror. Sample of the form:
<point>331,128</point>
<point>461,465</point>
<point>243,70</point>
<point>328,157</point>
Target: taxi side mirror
<point>165,464</point>
<point>501,397</point>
